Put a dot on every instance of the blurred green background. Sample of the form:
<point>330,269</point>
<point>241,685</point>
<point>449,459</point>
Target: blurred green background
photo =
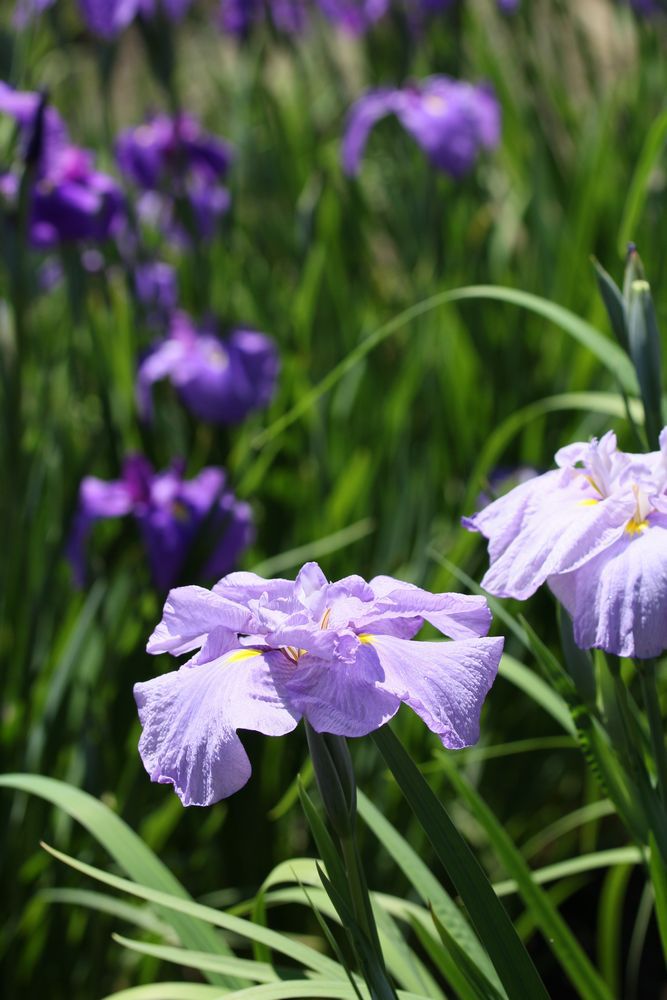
<point>375,474</point>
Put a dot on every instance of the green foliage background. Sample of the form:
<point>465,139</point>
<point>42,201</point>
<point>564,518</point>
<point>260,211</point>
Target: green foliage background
<point>370,476</point>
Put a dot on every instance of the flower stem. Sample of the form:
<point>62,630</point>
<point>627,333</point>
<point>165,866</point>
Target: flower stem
<point>647,676</point>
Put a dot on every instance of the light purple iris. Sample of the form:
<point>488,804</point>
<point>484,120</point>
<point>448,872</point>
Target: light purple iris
<point>177,163</point>
<point>595,530</point>
<point>270,652</point>
<point>220,381</point>
<point>172,512</point>
<point>69,199</point>
<point>451,120</point>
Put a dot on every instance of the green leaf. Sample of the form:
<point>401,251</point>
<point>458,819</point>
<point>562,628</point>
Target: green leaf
<point>659,882</point>
<point>473,977</point>
<point>140,916</point>
<point>607,352</point>
<point>575,866</point>
<point>170,991</point>
<point>537,689</point>
<point>315,550</point>
<point>563,943</point>
<point>298,952</point>
<point>128,851</point>
<point>426,885</point>
<point>256,972</point>
<point>611,910</point>
<point>636,196</point>
<point>614,304</point>
<point>511,960</point>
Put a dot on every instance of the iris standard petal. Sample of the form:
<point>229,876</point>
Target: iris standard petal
<point>342,698</point>
<point>618,601</point>
<point>445,683</point>
<point>190,613</point>
<point>190,717</point>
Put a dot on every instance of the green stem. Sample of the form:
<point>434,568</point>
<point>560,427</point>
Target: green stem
<point>647,676</point>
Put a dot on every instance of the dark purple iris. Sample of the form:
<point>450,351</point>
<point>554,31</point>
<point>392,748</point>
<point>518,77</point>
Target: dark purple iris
<point>220,381</point>
<point>171,513</point>
<point>180,168</point>
<point>69,199</point>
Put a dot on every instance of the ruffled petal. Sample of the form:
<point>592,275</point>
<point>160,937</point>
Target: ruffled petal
<point>445,683</point>
<point>190,614</point>
<point>618,601</point>
<point>551,524</point>
<point>243,587</point>
<point>403,608</point>
<point>190,718</point>
<point>342,698</point>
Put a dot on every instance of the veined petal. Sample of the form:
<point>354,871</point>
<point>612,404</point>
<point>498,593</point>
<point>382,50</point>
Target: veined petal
<point>190,614</point>
<point>342,698</point>
<point>548,525</point>
<point>445,683</point>
<point>190,717</point>
<point>402,609</point>
<point>243,587</point>
<point>618,601</point>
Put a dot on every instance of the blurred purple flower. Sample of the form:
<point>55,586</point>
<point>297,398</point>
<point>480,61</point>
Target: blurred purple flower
<point>219,381</point>
<point>170,511</point>
<point>449,119</point>
<point>238,17</point>
<point>338,654</point>
<point>354,16</point>
<point>107,18</point>
<point>595,530</point>
<point>26,10</point>
<point>69,199</point>
<point>175,161</point>
<point>156,288</point>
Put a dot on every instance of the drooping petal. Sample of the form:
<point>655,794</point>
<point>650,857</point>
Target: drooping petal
<point>190,614</point>
<point>402,609</point>
<point>551,524</point>
<point>190,718</point>
<point>618,601</point>
<point>445,683</point>
<point>368,110</point>
<point>342,698</point>
<point>164,359</point>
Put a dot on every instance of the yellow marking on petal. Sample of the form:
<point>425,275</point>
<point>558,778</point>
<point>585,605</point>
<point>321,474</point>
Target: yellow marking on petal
<point>591,502</point>
<point>242,654</point>
<point>635,527</point>
<point>325,619</point>
<point>589,479</point>
<point>365,637</point>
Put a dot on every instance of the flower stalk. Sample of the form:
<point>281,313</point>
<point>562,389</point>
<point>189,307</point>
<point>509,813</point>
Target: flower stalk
<point>335,779</point>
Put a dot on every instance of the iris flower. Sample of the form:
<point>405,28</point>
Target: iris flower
<point>451,121</point>
<point>270,652</point>
<point>220,381</point>
<point>171,512</point>
<point>69,199</point>
<point>173,160</point>
<point>594,530</point>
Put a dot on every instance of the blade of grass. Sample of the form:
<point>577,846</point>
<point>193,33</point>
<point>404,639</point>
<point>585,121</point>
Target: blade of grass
<point>512,962</point>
